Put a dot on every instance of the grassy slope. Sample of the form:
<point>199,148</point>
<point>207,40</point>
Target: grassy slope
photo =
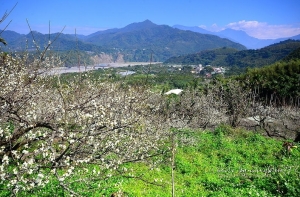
<point>227,163</point>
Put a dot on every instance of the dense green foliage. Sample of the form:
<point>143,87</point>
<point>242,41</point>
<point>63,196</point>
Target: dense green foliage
<point>157,77</point>
<point>280,81</point>
<point>262,57</point>
<point>293,55</point>
<point>240,59</point>
<point>214,57</point>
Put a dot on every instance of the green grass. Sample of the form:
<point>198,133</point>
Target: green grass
<point>226,162</point>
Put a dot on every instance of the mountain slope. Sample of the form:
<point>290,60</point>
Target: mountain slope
<point>241,59</point>
<point>162,40</point>
<point>215,57</point>
<point>10,36</point>
<point>264,56</point>
<point>243,38</point>
<point>294,55</point>
<point>238,36</point>
<point>135,42</point>
<point>194,29</point>
<point>64,42</point>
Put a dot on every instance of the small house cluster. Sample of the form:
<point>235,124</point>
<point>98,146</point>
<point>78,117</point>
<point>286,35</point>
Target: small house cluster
<point>199,69</point>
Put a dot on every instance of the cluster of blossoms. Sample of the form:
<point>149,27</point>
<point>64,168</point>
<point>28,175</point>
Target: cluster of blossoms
<point>49,126</point>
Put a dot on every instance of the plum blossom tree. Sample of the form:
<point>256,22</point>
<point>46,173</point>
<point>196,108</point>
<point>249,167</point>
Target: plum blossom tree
<point>50,128</point>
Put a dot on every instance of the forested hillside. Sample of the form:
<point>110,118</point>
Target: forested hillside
<point>240,59</point>
<point>164,41</point>
<point>214,57</point>
<point>278,82</point>
<point>294,55</point>
<point>262,57</point>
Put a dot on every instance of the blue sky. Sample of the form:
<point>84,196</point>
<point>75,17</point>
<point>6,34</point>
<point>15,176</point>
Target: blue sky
<point>259,18</point>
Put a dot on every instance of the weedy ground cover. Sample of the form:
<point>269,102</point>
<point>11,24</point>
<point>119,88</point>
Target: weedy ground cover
<point>225,162</point>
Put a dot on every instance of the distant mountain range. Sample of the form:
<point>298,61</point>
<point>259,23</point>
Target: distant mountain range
<point>238,36</point>
<point>135,42</point>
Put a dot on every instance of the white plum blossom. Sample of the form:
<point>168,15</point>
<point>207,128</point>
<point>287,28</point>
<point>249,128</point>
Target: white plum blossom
<point>53,127</point>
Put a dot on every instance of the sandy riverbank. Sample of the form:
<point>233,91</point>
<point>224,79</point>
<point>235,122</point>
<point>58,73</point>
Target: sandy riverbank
<point>61,70</point>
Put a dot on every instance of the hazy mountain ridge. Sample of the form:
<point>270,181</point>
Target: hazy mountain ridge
<point>64,42</point>
<point>137,41</point>
<point>238,36</point>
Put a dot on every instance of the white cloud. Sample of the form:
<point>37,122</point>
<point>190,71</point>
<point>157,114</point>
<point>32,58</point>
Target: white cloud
<point>263,30</point>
